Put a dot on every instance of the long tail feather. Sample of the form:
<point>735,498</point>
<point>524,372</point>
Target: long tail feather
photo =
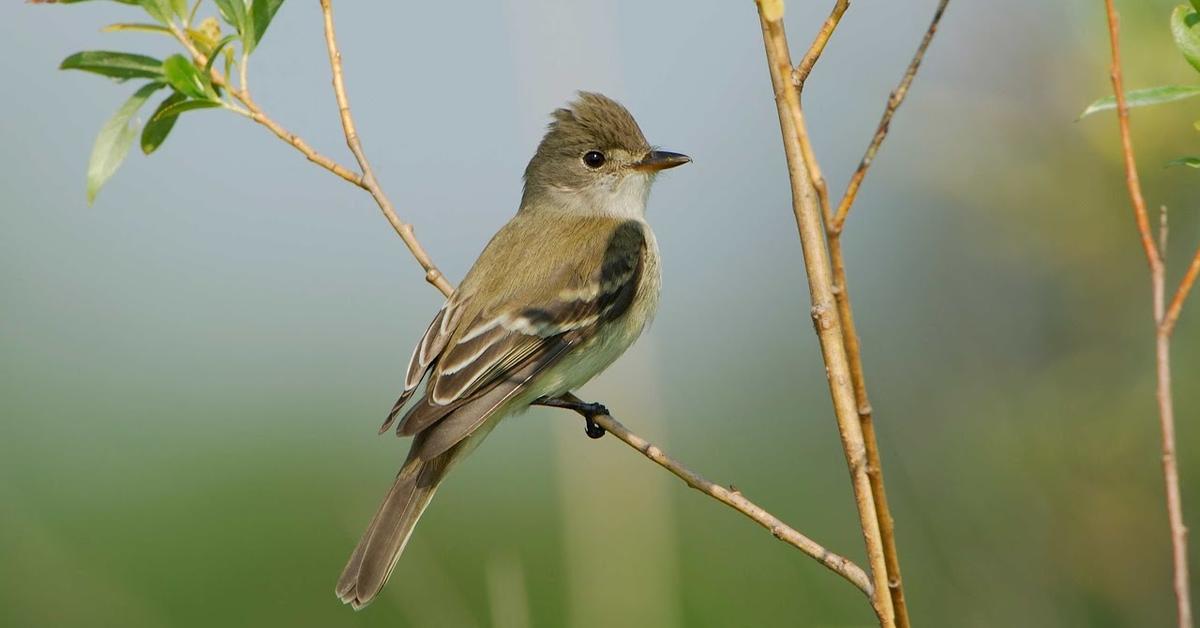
<point>383,542</point>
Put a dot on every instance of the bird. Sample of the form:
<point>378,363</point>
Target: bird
<point>556,296</point>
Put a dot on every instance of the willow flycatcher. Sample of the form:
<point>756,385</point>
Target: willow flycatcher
<point>557,295</point>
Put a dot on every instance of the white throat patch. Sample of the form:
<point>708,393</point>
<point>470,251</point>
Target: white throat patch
<point>624,197</point>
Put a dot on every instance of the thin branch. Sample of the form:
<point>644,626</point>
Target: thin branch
<point>818,46</point>
<point>833,228</point>
<point>818,179</point>
<point>827,322</point>
<point>1164,322</point>
<point>1166,417</point>
<point>257,114</point>
<point>736,500</point>
<point>1163,231</point>
<point>893,103</point>
<point>191,17</point>
<point>1181,295</point>
<point>1132,182</point>
<point>799,77</point>
<point>866,419</point>
<point>404,229</point>
<point>365,181</point>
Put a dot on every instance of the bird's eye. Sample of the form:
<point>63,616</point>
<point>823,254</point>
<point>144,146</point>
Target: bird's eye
<point>593,159</point>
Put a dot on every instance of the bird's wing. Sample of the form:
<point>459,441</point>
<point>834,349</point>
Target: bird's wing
<point>427,351</point>
<point>480,355</point>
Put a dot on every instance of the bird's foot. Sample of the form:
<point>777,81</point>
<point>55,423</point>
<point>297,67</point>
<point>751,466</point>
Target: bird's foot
<point>589,411</point>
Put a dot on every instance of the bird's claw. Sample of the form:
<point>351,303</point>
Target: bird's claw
<point>589,411</point>
<point>592,429</point>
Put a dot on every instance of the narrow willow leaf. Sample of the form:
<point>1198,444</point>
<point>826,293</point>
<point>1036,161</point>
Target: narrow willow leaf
<point>248,36</point>
<point>184,77</point>
<point>185,106</point>
<point>149,28</point>
<point>192,12</point>
<point>112,144</point>
<point>159,126</point>
<point>233,12</point>
<point>118,65</point>
<point>212,56</point>
<point>1187,37</point>
<point>1144,97</point>
<point>261,14</point>
<point>160,10</point>
<point>1189,161</point>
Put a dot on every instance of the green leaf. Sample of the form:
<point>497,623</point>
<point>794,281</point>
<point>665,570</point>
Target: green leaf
<point>159,126</point>
<point>160,10</point>
<point>182,74</point>
<point>1196,4</point>
<point>192,13</point>
<point>118,65</point>
<point>233,12</point>
<point>149,28</point>
<point>261,14</point>
<point>112,144</point>
<point>216,51</point>
<point>185,106</point>
<point>1144,97</point>
<point>180,8</point>
<point>1189,161</point>
<point>1187,38</point>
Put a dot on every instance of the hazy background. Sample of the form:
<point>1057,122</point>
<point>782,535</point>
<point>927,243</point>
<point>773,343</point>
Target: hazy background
<point>192,370</point>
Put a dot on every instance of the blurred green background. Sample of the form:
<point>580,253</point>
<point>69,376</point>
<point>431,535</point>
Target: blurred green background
<point>192,370</point>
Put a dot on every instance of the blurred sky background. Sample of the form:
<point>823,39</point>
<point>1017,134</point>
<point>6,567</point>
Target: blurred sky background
<point>192,370</point>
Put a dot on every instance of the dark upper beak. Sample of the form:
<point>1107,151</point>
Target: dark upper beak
<point>657,160</point>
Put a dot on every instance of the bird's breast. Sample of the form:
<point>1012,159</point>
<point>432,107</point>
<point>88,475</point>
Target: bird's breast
<point>611,340</point>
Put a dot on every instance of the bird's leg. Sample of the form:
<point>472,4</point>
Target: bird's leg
<point>589,411</point>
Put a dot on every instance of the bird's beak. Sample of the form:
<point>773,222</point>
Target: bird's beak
<point>657,160</point>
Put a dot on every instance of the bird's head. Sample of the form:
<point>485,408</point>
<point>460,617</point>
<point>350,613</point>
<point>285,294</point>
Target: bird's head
<point>595,160</point>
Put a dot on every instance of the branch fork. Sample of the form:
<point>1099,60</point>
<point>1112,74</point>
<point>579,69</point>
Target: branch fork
<point>835,328</point>
<point>1165,317</point>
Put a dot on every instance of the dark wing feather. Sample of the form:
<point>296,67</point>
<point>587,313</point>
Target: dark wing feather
<point>426,352</point>
<point>467,418</point>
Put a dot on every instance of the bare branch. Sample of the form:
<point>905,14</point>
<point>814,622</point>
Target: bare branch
<point>893,103</point>
<point>1181,295</point>
<point>404,229</point>
<point>1163,231</point>
<point>841,291</point>
<point>818,46</point>
<point>1132,181</point>
<point>806,206</point>
<point>1164,323</point>
<point>866,418</point>
<point>736,500</point>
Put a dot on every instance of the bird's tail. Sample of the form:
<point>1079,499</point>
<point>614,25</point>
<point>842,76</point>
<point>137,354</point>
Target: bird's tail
<point>385,538</point>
